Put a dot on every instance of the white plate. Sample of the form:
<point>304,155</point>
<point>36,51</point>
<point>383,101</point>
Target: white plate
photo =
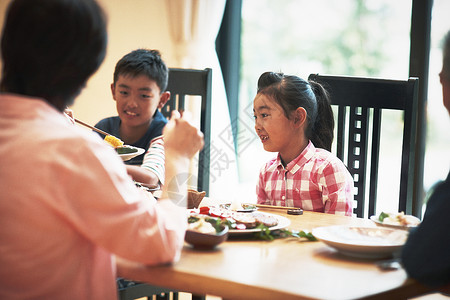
<point>129,156</point>
<point>245,208</point>
<point>283,222</point>
<point>362,242</point>
<point>403,227</point>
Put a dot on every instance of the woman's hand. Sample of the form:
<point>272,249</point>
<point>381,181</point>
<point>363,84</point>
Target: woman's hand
<point>181,138</point>
<point>181,143</point>
<point>69,114</point>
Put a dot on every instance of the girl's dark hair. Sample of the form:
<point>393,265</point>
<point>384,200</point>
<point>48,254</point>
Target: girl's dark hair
<point>51,47</point>
<point>291,92</point>
<point>143,62</point>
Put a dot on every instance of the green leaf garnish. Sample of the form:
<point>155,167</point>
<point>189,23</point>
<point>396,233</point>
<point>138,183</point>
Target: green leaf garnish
<point>269,235</point>
<point>383,216</point>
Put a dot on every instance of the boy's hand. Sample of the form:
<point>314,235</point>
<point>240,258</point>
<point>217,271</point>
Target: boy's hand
<point>181,138</point>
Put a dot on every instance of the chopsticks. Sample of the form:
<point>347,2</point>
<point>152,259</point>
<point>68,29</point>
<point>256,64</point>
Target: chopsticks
<point>105,133</point>
<point>271,206</point>
<point>92,127</point>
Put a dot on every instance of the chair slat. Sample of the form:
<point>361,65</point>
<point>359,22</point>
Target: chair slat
<point>375,157</point>
<point>191,82</point>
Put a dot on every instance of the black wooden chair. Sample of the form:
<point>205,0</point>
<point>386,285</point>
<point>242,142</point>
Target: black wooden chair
<point>182,83</point>
<point>360,102</point>
<point>190,82</point>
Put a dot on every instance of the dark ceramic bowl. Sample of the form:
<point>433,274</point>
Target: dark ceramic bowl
<point>206,241</point>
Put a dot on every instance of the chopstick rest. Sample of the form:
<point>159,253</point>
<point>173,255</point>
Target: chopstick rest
<point>295,211</point>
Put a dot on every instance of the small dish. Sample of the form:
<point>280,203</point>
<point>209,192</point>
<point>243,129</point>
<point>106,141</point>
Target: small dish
<point>412,222</point>
<point>206,241</point>
<point>128,156</point>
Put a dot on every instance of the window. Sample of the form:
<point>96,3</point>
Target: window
<point>300,37</point>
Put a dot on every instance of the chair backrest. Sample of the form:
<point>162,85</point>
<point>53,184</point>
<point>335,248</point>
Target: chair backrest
<point>360,102</point>
<point>190,82</point>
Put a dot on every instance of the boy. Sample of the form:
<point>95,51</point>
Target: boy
<point>140,81</point>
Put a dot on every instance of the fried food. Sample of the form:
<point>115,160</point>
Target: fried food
<point>113,141</point>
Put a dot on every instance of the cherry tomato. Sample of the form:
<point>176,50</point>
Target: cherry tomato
<point>204,210</point>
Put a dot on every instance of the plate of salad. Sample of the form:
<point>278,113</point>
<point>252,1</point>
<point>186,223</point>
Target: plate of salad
<point>245,222</point>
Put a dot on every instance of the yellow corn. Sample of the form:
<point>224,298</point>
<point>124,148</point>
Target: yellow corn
<point>113,141</point>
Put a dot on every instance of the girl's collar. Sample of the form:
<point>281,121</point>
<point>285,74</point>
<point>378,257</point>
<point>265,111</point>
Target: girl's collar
<point>301,159</point>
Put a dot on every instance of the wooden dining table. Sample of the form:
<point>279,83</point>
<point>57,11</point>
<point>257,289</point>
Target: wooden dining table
<point>285,268</point>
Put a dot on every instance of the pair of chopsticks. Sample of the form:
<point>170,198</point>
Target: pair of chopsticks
<point>271,206</point>
<point>92,127</point>
<point>105,133</point>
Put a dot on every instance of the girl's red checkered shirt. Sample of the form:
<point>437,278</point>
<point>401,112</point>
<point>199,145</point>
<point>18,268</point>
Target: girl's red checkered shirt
<point>315,181</point>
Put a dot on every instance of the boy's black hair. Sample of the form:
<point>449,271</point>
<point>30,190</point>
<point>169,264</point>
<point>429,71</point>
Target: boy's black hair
<point>143,62</point>
<point>51,47</point>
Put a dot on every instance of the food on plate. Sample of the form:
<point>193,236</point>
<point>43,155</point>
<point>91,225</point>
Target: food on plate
<point>246,219</point>
<point>239,220</point>
<point>265,219</point>
<point>113,141</point>
<point>202,226</point>
<point>126,150</point>
<point>236,206</point>
<point>239,206</point>
<point>399,219</point>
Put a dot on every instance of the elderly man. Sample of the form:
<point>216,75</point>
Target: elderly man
<point>426,254</point>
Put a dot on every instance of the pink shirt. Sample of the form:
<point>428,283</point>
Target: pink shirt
<point>316,181</point>
<point>67,205</point>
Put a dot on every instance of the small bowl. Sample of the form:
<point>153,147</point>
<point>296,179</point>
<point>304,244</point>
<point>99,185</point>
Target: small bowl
<point>206,241</point>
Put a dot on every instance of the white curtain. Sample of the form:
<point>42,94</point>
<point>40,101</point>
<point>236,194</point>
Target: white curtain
<point>194,25</point>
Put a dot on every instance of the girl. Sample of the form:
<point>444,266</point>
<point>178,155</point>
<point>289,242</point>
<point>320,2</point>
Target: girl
<point>294,118</point>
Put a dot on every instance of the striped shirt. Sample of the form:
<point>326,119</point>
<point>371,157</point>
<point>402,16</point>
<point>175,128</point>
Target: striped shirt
<point>154,158</point>
<point>315,181</point>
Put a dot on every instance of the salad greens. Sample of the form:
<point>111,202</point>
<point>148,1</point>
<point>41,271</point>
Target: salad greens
<point>382,216</point>
<point>125,150</point>
<point>267,234</point>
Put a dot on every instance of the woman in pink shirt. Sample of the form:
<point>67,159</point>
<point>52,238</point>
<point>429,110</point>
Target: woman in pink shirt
<point>67,204</point>
<point>294,118</point>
